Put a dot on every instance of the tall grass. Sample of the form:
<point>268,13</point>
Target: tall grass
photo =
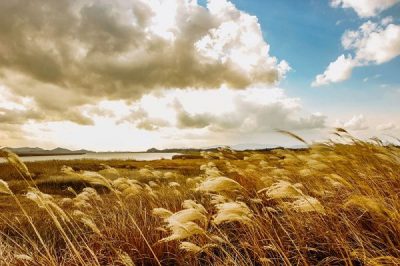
<point>335,203</point>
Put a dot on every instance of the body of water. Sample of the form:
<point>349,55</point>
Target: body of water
<point>101,156</point>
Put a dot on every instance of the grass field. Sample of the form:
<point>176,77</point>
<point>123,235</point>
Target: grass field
<point>331,204</point>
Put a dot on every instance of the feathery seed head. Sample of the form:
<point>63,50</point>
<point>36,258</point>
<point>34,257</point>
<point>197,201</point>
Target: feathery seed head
<point>67,170</point>
<point>219,184</point>
<point>191,204</point>
<point>183,230</point>
<point>307,204</point>
<point>87,221</point>
<point>173,184</point>
<point>366,203</point>
<point>15,161</point>
<point>190,247</point>
<point>162,213</point>
<point>124,258</point>
<point>233,211</point>
<point>4,188</point>
<point>283,189</point>
<point>216,199</point>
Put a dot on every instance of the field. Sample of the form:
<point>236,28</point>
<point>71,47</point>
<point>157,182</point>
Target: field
<point>335,203</point>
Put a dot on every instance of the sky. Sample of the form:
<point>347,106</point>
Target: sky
<point>135,74</point>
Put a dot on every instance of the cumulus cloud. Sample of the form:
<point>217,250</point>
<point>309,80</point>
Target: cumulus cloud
<point>141,119</point>
<point>100,112</point>
<point>372,43</point>
<point>337,71</point>
<point>224,110</point>
<point>65,54</point>
<point>19,117</point>
<point>249,116</point>
<point>386,126</point>
<point>357,122</point>
<point>18,110</point>
<point>365,8</point>
<point>187,120</point>
<point>11,134</point>
<point>15,116</point>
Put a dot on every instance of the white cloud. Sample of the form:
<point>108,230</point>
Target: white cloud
<point>249,118</point>
<point>387,20</point>
<point>256,110</point>
<point>372,43</point>
<point>376,76</point>
<point>365,8</point>
<point>386,126</point>
<point>10,101</point>
<point>142,120</point>
<point>337,71</point>
<point>357,122</point>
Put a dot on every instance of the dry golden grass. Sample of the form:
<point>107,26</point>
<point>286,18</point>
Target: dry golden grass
<point>332,204</point>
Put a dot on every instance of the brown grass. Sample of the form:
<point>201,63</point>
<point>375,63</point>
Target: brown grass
<point>333,204</point>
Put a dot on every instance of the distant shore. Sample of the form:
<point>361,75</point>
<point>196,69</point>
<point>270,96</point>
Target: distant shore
<point>49,154</point>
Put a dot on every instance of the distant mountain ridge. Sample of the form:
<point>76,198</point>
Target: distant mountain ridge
<point>245,146</point>
<point>237,147</point>
<point>29,151</point>
<point>36,151</point>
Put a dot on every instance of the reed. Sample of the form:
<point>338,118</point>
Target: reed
<point>335,203</point>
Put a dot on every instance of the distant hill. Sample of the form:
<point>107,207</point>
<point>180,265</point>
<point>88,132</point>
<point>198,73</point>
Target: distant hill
<point>238,147</point>
<point>36,151</point>
<point>246,146</point>
<point>25,150</point>
<point>29,151</point>
<point>175,150</point>
<point>60,150</point>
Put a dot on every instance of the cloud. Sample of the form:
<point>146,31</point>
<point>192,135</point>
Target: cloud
<point>357,122</point>
<point>20,117</point>
<point>13,116</point>
<point>386,126</point>
<point>11,134</point>
<point>187,120</point>
<point>17,135</point>
<point>151,124</point>
<point>224,110</point>
<point>65,54</point>
<point>365,8</point>
<point>141,119</point>
<point>100,112</point>
<point>18,110</point>
<point>376,76</point>
<point>249,117</point>
<point>375,43</point>
<point>337,71</point>
<point>372,43</point>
